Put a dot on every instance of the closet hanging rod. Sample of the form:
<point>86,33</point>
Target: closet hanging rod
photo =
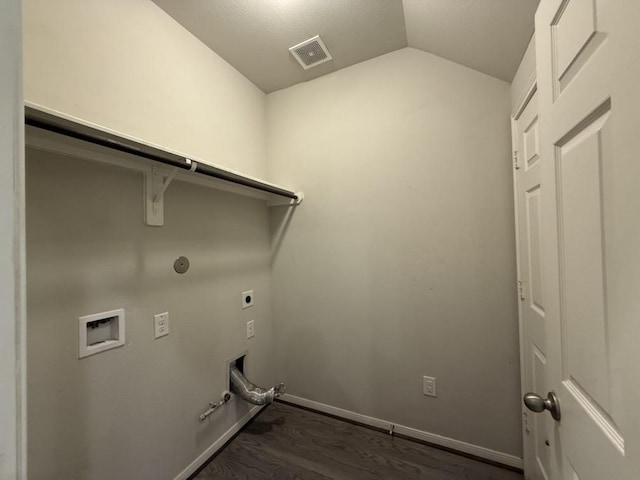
<point>56,124</point>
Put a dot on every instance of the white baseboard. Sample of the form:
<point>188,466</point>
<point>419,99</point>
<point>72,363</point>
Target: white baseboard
<point>458,445</point>
<point>218,444</point>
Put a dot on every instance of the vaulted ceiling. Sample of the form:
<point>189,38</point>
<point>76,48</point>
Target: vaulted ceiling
<point>254,35</point>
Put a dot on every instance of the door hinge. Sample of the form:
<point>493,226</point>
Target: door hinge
<point>515,160</point>
<point>520,290</point>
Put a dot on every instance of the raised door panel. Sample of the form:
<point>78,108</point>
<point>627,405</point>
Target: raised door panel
<point>575,37</point>
<point>583,161</point>
<point>534,297</point>
<point>574,27</point>
<point>584,319</point>
<point>530,144</point>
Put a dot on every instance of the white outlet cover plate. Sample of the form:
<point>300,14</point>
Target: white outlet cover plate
<point>161,324</point>
<point>429,386</point>
<point>251,328</point>
<point>247,299</point>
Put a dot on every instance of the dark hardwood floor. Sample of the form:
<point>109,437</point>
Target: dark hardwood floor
<point>285,442</point>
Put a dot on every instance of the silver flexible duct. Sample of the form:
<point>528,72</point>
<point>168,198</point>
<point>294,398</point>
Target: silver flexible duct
<point>249,392</point>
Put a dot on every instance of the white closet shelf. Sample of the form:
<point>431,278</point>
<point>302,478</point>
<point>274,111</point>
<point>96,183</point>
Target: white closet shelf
<point>57,132</point>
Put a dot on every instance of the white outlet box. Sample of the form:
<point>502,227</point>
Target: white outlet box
<point>429,386</point>
<point>161,324</point>
<point>100,332</point>
<point>247,299</point>
<point>251,328</point>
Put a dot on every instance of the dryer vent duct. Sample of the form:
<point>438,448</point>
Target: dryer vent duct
<point>249,392</point>
<point>311,52</point>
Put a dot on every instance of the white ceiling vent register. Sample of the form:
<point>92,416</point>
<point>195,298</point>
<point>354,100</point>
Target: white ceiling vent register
<point>311,52</point>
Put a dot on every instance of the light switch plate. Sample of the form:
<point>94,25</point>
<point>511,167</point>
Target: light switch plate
<point>161,324</point>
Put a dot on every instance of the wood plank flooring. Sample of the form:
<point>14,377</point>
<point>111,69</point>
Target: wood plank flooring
<point>285,442</point>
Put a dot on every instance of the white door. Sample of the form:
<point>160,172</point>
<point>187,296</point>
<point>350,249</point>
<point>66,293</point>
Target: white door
<point>588,69</point>
<point>532,309</point>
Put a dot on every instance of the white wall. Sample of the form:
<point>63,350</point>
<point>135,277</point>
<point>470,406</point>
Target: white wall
<point>12,321</point>
<point>133,412</point>
<point>400,263</point>
<point>127,66</point>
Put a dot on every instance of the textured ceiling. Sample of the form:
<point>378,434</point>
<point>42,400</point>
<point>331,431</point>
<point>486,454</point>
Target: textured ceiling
<point>486,35</point>
<point>254,35</point>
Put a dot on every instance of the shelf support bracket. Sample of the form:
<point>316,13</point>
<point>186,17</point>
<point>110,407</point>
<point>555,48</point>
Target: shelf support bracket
<point>156,182</point>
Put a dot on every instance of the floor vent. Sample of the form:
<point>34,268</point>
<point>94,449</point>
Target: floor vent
<point>311,52</point>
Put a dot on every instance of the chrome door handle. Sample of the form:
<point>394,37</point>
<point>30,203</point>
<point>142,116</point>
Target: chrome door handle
<point>536,403</point>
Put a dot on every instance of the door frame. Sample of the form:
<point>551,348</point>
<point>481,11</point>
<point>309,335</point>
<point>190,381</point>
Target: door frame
<point>13,451</point>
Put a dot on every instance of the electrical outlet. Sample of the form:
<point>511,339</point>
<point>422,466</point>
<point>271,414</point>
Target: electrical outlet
<point>247,299</point>
<point>161,324</point>
<point>429,386</point>
<point>251,328</point>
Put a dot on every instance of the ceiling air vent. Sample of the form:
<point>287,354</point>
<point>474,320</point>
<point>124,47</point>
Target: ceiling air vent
<point>311,52</point>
